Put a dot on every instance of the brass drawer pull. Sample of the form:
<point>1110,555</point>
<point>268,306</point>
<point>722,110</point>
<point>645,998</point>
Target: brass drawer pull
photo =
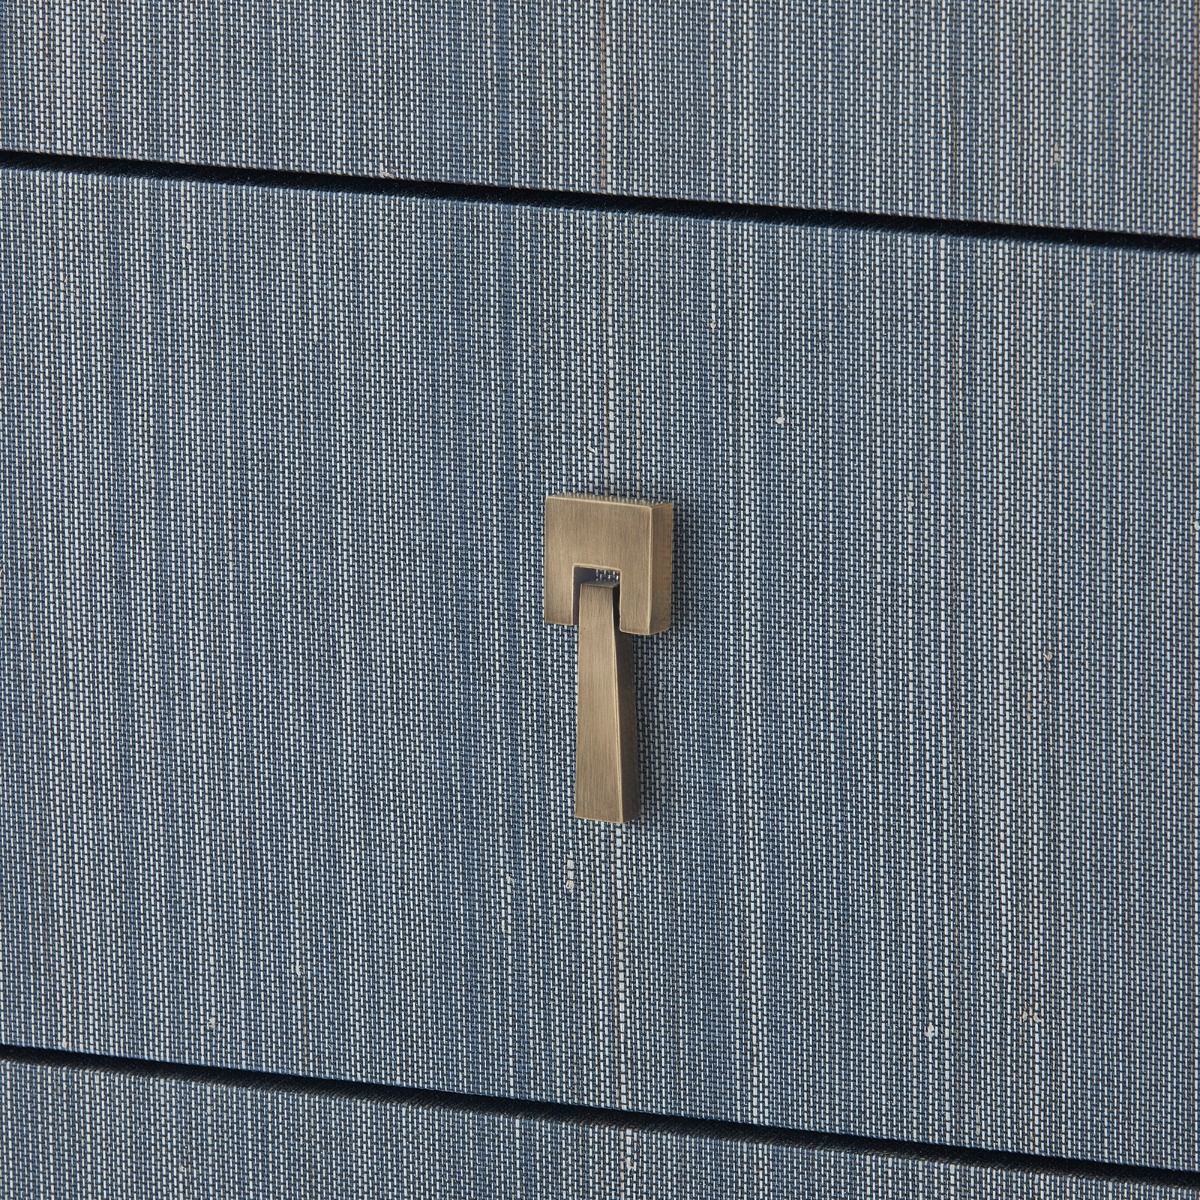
<point>587,536</point>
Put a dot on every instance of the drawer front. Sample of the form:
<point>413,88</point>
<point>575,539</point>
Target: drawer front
<point>72,1132</point>
<point>1055,112</point>
<point>288,747</point>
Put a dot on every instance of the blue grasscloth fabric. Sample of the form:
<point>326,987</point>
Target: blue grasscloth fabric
<point>68,1134</point>
<point>287,748</point>
<point>1059,112</point>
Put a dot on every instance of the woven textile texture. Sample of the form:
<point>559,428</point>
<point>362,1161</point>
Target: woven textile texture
<point>75,1133</point>
<point>1059,112</point>
<point>288,750</point>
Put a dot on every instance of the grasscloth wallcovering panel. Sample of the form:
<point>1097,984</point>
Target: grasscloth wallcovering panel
<point>287,761</point>
<point>74,1133</point>
<point>1059,112</point>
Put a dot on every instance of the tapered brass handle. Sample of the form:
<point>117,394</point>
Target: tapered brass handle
<point>589,539</point>
<point>606,774</point>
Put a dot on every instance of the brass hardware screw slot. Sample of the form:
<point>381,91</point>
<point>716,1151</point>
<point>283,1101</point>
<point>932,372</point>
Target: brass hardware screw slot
<point>586,535</point>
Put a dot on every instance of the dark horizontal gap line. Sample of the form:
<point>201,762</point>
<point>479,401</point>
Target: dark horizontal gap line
<point>609,1118</point>
<point>591,202</point>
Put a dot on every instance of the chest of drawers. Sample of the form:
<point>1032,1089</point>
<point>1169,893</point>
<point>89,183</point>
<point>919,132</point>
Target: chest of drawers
<point>306,314</point>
